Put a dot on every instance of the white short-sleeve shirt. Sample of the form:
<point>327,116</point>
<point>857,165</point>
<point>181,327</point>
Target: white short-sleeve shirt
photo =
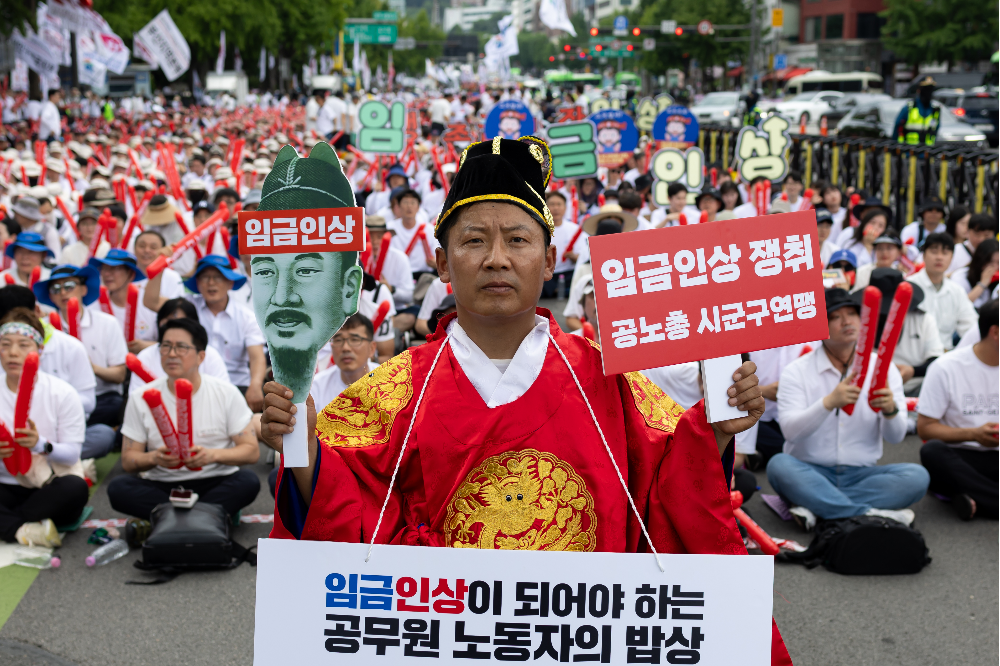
<point>231,332</point>
<point>962,392</point>
<point>105,343</point>
<point>66,357</point>
<point>218,413</point>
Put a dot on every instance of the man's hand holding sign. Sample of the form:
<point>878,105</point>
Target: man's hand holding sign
<point>502,434</point>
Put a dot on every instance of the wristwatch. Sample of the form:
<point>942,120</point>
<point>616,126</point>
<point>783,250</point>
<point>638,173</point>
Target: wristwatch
<point>889,415</point>
<point>47,448</point>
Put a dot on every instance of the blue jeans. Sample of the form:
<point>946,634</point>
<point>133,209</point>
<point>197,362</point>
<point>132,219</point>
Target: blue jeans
<point>843,491</point>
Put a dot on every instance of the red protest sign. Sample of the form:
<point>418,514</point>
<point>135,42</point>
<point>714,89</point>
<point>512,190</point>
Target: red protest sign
<point>306,230</point>
<point>690,293</point>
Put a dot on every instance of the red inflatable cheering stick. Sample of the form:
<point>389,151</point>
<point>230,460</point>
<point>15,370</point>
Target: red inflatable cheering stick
<point>130,311</point>
<point>163,422</point>
<point>870,304</point>
<point>185,433</point>
<point>133,363</point>
<point>55,320</point>
<point>383,251</point>
<point>25,387</point>
<point>756,532</point>
<point>73,315</point>
<point>12,462</point>
<point>380,315</point>
<point>105,300</point>
<point>890,336</point>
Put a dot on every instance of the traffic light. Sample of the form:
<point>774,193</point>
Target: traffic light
<point>636,31</point>
<point>599,47</point>
<point>552,58</point>
<point>567,48</point>
<point>594,32</point>
<point>628,47</point>
<point>678,31</point>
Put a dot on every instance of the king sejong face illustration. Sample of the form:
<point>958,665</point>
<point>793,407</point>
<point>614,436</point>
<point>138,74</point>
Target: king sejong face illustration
<point>301,300</point>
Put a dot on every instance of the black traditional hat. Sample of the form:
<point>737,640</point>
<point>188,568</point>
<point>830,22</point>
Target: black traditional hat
<point>506,170</point>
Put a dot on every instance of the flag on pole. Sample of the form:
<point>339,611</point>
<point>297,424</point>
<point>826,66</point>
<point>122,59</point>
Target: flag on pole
<point>262,65</point>
<point>553,14</point>
<point>238,61</point>
<point>220,62</point>
<point>392,72</point>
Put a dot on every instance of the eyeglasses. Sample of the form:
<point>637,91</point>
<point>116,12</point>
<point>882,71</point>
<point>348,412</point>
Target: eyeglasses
<point>351,341</point>
<point>181,349</point>
<point>211,276</point>
<point>68,285</point>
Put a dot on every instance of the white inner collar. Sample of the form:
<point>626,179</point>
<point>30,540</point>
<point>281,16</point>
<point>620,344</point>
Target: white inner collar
<point>495,386</point>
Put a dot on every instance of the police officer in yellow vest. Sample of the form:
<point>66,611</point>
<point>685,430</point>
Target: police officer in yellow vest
<point>752,115</point>
<point>919,120</point>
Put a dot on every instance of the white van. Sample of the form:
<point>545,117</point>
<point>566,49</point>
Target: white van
<point>850,82</point>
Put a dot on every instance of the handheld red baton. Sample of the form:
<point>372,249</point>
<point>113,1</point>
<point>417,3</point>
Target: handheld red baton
<point>890,336</point>
<point>871,301</point>
<point>133,363</point>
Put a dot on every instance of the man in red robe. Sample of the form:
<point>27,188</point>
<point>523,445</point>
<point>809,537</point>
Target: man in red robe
<point>502,418</point>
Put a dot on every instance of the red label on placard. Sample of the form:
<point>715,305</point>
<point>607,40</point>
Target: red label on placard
<point>668,296</point>
<point>306,230</point>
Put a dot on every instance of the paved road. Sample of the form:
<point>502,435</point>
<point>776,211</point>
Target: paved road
<point>947,614</point>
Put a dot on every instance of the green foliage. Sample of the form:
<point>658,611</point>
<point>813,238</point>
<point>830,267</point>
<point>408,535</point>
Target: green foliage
<point>14,13</point>
<point>940,30</point>
<point>673,51</point>
<point>419,27</point>
<point>535,49</point>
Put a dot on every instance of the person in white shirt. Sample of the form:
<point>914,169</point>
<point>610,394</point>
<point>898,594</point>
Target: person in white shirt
<point>957,226</point>
<point>983,269</point>
<point>957,416</point>
<point>749,209</point>
<point>833,201</point>
<point>862,239</point>
<point>407,230</point>
<point>212,366</point>
<point>945,299</point>
<point>232,328</point>
<point>931,213</point>
<point>373,294</point>
<point>440,113</point>
<point>53,492</point>
<point>49,121</point>
<point>671,217</point>
<point>437,291</point>
<point>118,269</point>
<point>395,271</point>
<point>828,468</point>
<point>919,344</point>
<point>888,250</point>
<point>824,228</point>
<point>791,191</point>
<point>197,173</point>
<point>395,177</point>
<point>223,438</point>
<point>28,253</point>
<point>100,334</point>
<point>312,110</point>
<point>566,256</point>
<point>77,254</point>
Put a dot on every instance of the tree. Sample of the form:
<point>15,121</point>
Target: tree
<point>940,30</point>
<point>534,51</point>
<point>673,51</point>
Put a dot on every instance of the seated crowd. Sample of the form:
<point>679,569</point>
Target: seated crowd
<point>194,322</point>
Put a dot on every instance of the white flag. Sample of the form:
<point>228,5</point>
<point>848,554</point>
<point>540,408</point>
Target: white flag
<point>238,61</point>
<point>90,70</point>
<point>35,52</point>
<point>111,51</point>
<point>262,65</point>
<point>167,45</point>
<point>220,61</point>
<point>366,71</point>
<point>505,22</point>
<point>553,14</point>
<point>141,51</point>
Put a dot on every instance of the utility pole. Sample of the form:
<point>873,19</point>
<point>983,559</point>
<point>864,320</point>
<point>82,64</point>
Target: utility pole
<point>754,43</point>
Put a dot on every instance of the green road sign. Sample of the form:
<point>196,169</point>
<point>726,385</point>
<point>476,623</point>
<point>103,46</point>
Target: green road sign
<point>370,33</point>
<point>385,17</point>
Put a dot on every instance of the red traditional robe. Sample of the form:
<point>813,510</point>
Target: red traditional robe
<point>529,475</point>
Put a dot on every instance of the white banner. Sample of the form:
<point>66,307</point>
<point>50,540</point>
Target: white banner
<point>140,51</point>
<point>112,51</point>
<point>36,53</point>
<point>220,60</point>
<point>77,18</point>
<point>166,43</point>
<point>319,602</point>
<point>90,69</point>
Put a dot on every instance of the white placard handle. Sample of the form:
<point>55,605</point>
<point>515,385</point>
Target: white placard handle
<point>295,445</point>
<point>717,377</point>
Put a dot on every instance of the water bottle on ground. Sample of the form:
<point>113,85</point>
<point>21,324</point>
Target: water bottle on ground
<point>109,552</point>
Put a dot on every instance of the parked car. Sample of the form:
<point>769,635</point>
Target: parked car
<point>719,107</point>
<point>875,120</point>
<point>841,106</point>
<point>807,106</point>
<point>976,107</point>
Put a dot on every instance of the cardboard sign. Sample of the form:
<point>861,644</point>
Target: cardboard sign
<point>668,296</point>
<point>670,165</point>
<point>676,127</point>
<point>574,152</point>
<point>306,230</point>
<point>617,137</point>
<point>322,603</point>
<point>382,127</point>
<point>647,110</point>
<point>510,119</point>
<point>761,151</point>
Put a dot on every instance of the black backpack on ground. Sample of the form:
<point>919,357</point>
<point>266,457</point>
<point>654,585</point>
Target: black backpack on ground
<point>194,539</point>
<point>864,546</point>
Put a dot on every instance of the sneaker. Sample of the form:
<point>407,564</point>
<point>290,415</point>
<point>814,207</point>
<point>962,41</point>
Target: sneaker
<point>39,534</point>
<point>904,516</point>
<point>805,518</point>
<point>137,531</point>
